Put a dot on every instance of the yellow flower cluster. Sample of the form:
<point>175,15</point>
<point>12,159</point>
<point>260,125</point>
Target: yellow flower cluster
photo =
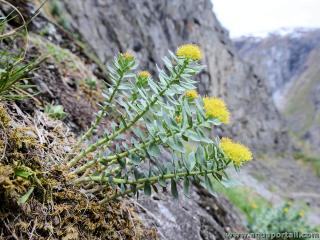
<point>127,56</point>
<point>189,51</point>
<point>144,74</point>
<point>191,94</point>
<point>236,152</point>
<point>216,108</point>
<point>178,119</point>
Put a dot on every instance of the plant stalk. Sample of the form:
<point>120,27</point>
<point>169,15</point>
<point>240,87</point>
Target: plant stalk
<point>152,180</point>
<point>102,112</point>
<point>108,139</point>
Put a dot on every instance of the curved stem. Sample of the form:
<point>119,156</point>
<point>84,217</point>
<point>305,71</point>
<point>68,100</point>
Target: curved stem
<point>114,158</point>
<point>104,177</point>
<point>108,139</point>
<point>143,180</point>
<point>101,113</point>
<point>152,180</point>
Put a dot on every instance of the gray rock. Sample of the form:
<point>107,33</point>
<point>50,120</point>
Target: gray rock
<point>201,216</point>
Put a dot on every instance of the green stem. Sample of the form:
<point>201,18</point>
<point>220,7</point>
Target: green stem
<point>101,178</point>
<point>103,111</point>
<point>108,139</point>
<point>140,182</point>
<point>113,158</point>
<point>143,180</point>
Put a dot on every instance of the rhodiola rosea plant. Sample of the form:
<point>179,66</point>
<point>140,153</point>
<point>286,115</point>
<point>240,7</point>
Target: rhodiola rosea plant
<point>150,117</point>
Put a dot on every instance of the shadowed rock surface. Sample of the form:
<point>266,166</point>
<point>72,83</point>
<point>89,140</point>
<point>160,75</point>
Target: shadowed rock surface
<point>202,216</point>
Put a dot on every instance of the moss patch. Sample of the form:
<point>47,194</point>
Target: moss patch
<point>33,158</point>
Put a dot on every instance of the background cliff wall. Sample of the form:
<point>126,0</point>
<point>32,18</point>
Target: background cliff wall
<point>150,28</point>
<point>289,64</point>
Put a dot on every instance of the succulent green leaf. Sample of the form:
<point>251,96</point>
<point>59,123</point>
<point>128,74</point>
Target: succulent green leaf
<point>23,172</point>
<point>208,183</point>
<point>191,162</point>
<point>192,136</point>
<point>154,150</point>
<point>174,190</point>
<point>147,188</point>
<point>23,199</point>
<point>186,186</point>
<point>176,144</point>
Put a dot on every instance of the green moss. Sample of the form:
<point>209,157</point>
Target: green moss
<point>4,117</point>
<point>61,56</point>
<point>34,189</point>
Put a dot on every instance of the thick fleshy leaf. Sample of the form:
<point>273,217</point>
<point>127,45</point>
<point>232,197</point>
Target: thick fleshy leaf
<point>174,190</point>
<point>147,188</point>
<point>186,186</point>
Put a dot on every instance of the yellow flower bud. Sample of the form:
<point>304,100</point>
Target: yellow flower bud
<point>301,213</point>
<point>191,94</point>
<point>144,74</point>
<point>178,119</point>
<point>127,56</point>
<point>254,205</point>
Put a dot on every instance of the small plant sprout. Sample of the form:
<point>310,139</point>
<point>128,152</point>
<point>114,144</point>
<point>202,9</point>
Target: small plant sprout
<point>91,83</point>
<point>151,119</point>
<point>55,111</point>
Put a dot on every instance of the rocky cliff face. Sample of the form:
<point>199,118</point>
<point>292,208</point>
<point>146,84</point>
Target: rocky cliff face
<point>302,104</point>
<point>278,58</point>
<point>289,64</point>
<point>150,28</point>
